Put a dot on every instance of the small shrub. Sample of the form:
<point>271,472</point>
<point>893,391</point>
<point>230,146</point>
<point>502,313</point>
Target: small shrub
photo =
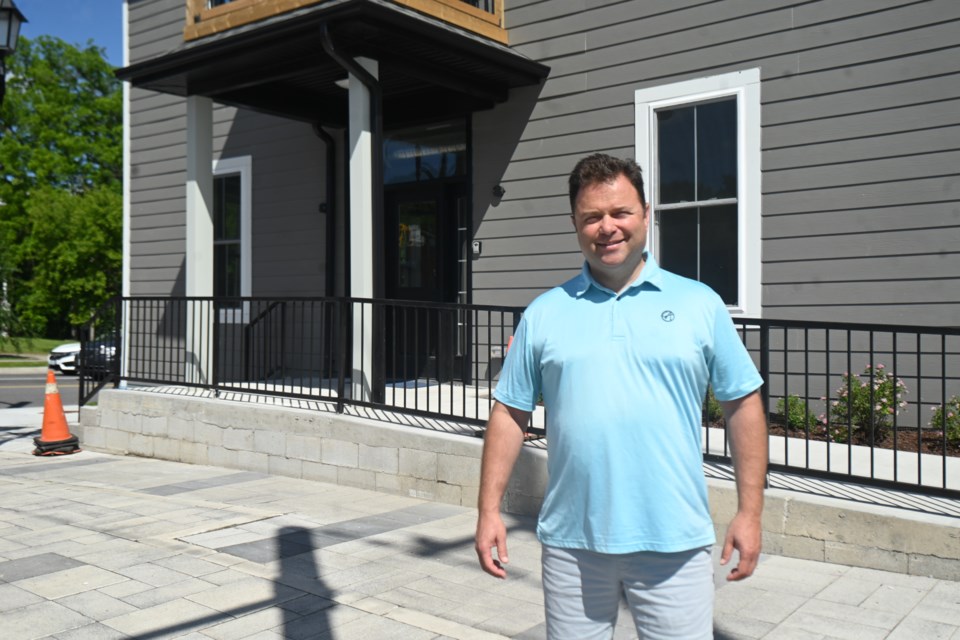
<point>947,418</point>
<point>853,403</point>
<point>794,413</point>
<point>712,409</point>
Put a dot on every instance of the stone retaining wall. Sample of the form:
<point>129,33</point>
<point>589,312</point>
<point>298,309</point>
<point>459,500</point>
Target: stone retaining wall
<point>444,467</point>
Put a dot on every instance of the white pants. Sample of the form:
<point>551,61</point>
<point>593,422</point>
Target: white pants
<point>669,594</point>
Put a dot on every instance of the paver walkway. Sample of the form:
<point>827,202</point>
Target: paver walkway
<point>99,546</point>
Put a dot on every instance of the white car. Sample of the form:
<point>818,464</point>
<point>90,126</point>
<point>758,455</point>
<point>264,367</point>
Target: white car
<point>65,358</point>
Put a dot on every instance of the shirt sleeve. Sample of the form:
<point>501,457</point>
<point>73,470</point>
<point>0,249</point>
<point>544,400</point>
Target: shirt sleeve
<point>519,385</point>
<point>733,373</point>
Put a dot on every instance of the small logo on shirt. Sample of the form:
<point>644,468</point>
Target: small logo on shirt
<point>667,316</point>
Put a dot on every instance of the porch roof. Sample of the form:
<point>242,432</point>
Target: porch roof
<point>428,69</point>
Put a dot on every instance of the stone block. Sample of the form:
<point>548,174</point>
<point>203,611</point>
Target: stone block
<point>469,497</point>
<point>193,453</point>
<point>283,466</point>
<point>799,547</point>
<point>303,447</point>
<point>360,478</point>
<point>129,421</point>
<point>221,457</point>
<point>856,555</point>
<point>340,453</point>
<point>253,461</point>
<point>522,504</point>
<point>380,459</point>
<point>459,471</point>
<point>272,443</point>
<point>318,472</point>
<point>93,437</point>
<point>450,493</point>
<point>109,418</point>
<point>388,483</point>
<point>529,473</point>
<point>117,441</point>
<point>238,439</point>
<point>154,426</point>
<point>208,434</point>
<point>180,428</point>
<point>141,445</point>
<point>418,488</point>
<point>89,416</point>
<point>934,567</point>
<point>167,449</point>
<point>417,463</point>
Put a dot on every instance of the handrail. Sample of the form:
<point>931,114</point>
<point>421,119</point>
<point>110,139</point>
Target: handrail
<point>442,360</point>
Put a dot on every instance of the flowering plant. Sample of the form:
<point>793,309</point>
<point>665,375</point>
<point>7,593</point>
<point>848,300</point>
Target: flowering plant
<point>947,417</point>
<point>865,404</point>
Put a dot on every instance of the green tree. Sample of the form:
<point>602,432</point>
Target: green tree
<point>61,150</point>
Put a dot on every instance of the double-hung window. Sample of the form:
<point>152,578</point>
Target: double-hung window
<point>699,144</point>
<point>231,230</point>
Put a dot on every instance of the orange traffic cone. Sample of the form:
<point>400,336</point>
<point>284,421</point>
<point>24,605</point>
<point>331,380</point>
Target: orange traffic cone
<point>55,438</point>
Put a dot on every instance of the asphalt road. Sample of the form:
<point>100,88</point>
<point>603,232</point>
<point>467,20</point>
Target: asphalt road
<point>21,387</point>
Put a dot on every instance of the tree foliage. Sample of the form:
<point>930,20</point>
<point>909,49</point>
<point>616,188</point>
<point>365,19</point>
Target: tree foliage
<point>61,150</point>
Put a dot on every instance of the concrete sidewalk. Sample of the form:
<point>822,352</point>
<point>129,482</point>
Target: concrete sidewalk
<point>99,546</point>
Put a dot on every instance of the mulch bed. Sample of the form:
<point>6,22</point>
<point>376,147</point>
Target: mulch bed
<point>927,441</point>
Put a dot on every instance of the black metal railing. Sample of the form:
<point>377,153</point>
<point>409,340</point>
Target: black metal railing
<point>853,401</point>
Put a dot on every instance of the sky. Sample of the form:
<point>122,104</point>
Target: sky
<point>77,21</point>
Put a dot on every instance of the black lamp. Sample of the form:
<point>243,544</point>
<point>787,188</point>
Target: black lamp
<point>10,21</point>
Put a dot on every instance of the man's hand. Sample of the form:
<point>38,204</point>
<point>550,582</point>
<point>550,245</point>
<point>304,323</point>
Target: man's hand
<point>501,446</point>
<point>744,535</point>
<point>492,534</point>
<point>747,429</point>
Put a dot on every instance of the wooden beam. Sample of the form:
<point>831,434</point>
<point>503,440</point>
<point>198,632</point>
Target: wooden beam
<point>241,12</point>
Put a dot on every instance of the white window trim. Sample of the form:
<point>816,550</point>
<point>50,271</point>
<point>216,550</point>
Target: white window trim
<point>242,166</point>
<point>746,86</point>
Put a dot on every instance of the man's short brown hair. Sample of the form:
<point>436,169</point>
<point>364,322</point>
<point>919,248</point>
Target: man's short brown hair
<point>599,168</point>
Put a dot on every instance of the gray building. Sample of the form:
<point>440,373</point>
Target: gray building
<point>801,157</point>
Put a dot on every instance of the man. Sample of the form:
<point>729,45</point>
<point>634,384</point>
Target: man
<point>622,355</point>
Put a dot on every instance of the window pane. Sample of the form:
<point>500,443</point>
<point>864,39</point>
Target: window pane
<point>226,208</point>
<point>425,153</point>
<point>226,269</point>
<point>718,250</point>
<point>717,150</point>
<point>678,241</point>
<point>675,155</point>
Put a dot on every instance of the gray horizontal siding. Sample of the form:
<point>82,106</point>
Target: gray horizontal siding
<point>156,27</point>
<point>860,141</point>
<point>851,221</point>
<point>289,246</point>
<point>920,267</point>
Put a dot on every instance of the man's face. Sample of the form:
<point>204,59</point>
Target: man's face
<point>611,225</point>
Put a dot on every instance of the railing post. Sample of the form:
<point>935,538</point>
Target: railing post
<point>765,364</point>
<point>343,331</point>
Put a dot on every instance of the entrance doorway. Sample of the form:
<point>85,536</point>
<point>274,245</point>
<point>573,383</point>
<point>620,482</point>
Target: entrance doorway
<point>426,230</point>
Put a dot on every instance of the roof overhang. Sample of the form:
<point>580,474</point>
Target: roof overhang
<point>427,68</point>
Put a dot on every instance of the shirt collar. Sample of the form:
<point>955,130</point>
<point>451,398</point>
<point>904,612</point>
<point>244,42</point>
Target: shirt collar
<point>651,273</point>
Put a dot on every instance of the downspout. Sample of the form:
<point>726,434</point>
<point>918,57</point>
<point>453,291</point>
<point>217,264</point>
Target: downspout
<point>378,351</point>
<point>330,204</point>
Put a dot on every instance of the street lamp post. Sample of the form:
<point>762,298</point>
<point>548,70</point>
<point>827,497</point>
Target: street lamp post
<point>10,21</point>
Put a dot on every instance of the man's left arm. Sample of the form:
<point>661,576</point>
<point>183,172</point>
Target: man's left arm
<point>747,430</point>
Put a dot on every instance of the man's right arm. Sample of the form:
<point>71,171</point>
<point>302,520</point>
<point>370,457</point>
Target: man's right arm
<point>501,446</point>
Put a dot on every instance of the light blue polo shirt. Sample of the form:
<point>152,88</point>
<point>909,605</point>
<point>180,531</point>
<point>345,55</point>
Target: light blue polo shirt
<point>623,379</point>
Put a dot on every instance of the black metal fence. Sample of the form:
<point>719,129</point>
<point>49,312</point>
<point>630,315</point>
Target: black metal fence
<point>875,404</point>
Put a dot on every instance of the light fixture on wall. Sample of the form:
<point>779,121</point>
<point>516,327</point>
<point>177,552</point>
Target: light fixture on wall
<point>498,191</point>
<point>10,21</point>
